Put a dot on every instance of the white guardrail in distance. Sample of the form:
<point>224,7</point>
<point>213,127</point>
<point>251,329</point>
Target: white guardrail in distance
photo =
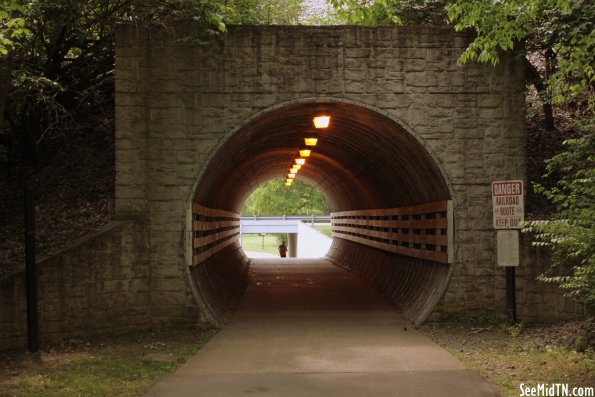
<point>311,218</point>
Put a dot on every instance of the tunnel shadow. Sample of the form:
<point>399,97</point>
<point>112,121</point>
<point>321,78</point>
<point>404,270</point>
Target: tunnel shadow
<point>366,160</point>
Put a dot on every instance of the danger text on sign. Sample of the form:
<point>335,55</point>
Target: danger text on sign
<point>508,206</point>
<point>510,188</point>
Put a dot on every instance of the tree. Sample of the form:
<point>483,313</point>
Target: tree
<point>559,33</point>
<point>570,234</point>
<point>61,59</point>
<point>60,54</point>
<point>12,24</point>
<point>562,32</point>
<point>274,198</point>
<point>12,27</point>
<point>256,12</point>
<point>390,12</point>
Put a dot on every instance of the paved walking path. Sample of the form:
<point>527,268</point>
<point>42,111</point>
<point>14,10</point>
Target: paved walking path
<point>308,328</point>
<point>260,255</point>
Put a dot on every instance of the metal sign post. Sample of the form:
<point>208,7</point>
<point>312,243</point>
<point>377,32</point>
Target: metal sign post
<point>31,272</point>
<point>509,213</point>
<point>507,242</point>
<point>511,293</point>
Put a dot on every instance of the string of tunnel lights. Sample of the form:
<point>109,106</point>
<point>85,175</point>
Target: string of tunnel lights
<point>320,121</point>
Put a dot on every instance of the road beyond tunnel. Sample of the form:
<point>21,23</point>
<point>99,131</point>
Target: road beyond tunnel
<point>309,328</point>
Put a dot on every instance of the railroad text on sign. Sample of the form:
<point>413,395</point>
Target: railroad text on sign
<point>508,205</point>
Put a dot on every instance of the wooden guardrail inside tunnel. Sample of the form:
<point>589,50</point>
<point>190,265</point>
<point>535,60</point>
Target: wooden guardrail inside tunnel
<point>212,230</point>
<point>423,231</point>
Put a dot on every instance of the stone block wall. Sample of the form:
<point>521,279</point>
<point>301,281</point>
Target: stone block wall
<point>98,285</point>
<point>176,102</point>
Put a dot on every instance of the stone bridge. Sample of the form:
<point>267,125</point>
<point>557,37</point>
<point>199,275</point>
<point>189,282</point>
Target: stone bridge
<point>414,143</point>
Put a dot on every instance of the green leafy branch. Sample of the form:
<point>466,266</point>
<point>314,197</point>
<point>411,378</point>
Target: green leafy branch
<point>12,25</point>
<point>570,235</point>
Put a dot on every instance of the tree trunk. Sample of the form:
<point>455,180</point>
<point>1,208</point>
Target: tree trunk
<point>4,92</point>
<point>534,78</point>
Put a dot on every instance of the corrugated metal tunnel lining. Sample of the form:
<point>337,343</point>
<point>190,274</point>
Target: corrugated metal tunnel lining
<point>364,160</point>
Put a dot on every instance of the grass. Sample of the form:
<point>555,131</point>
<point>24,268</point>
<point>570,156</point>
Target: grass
<point>114,366</point>
<point>509,358</point>
<point>254,242</point>
<point>102,367</point>
<point>532,366</point>
<point>324,229</point>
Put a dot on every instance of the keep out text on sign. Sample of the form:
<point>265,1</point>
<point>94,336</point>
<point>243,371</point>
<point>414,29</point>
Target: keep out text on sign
<point>508,205</point>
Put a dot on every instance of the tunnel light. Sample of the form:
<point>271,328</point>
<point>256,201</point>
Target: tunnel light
<point>293,171</point>
<point>296,166</point>
<point>300,161</point>
<point>305,152</point>
<point>322,121</point>
<point>311,141</point>
<point>291,176</point>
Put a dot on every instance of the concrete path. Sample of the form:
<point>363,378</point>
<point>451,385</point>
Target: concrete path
<point>308,328</point>
<point>260,255</point>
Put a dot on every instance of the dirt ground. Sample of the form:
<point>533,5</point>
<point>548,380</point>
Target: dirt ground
<point>506,355</point>
<point>509,356</point>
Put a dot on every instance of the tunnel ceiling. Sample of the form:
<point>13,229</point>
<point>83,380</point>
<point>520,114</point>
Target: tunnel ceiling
<point>363,160</point>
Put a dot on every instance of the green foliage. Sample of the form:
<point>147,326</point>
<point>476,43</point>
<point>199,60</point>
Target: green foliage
<point>61,71</point>
<point>390,12</point>
<point>561,30</point>
<point>257,243</point>
<point>514,330</point>
<point>61,55</point>
<point>499,25</point>
<point>358,12</point>
<point>12,24</point>
<point>573,46</point>
<point>255,12</point>
<point>274,198</point>
<point>206,14</point>
<point>104,366</point>
<point>571,233</point>
<point>327,230</point>
<point>581,343</point>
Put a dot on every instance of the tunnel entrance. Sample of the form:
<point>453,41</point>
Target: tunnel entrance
<point>388,194</point>
<point>198,127</point>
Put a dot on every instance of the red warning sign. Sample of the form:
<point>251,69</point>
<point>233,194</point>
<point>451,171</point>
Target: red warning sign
<point>508,204</point>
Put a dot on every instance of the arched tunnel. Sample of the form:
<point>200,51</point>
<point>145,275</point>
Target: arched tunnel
<point>365,160</point>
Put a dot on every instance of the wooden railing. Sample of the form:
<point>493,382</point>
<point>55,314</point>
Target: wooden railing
<point>423,231</point>
<point>212,230</point>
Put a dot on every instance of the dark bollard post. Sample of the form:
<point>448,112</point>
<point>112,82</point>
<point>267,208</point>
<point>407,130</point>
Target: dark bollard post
<point>31,271</point>
<point>511,294</point>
